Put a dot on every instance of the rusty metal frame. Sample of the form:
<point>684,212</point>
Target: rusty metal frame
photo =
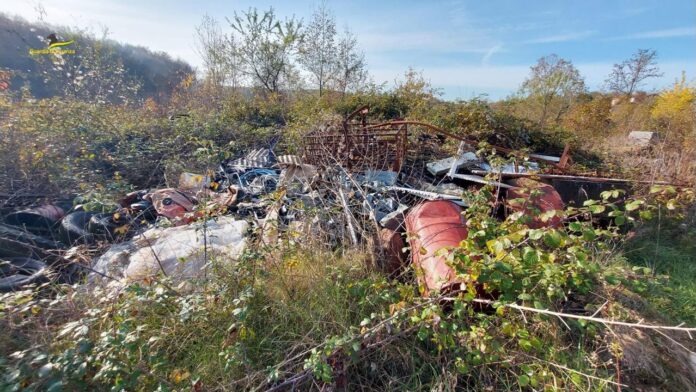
<point>360,145</point>
<point>558,162</point>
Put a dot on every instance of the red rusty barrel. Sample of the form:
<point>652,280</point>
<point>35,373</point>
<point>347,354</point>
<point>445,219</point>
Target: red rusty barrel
<point>432,226</point>
<point>390,249</point>
<point>534,204</point>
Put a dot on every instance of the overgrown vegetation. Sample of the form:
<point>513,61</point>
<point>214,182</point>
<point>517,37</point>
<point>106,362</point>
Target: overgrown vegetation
<point>305,317</point>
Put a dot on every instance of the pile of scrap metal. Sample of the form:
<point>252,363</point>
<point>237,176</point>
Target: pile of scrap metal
<point>357,183</point>
<point>366,165</point>
<point>159,228</point>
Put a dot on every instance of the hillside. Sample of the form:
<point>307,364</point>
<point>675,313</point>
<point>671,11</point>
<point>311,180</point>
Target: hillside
<point>156,72</point>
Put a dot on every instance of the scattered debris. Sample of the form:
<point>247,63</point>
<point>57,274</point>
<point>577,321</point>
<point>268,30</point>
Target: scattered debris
<point>38,220</point>
<point>643,138</point>
<point>480,180</point>
<point>356,182</point>
<point>183,252</point>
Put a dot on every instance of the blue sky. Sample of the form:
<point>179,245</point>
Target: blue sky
<point>466,48</point>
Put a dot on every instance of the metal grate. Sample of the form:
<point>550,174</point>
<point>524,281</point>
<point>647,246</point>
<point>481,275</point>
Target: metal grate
<point>358,146</point>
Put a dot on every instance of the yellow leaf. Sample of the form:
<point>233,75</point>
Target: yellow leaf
<point>178,375</point>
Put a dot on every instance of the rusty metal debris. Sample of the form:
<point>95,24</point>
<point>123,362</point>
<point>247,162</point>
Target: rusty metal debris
<point>356,182</point>
<point>358,146</point>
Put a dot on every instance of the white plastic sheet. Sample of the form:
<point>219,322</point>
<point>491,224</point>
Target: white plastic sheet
<point>183,252</point>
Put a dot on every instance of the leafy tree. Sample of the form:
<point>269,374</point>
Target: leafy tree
<point>553,85</point>
<point>265,46</point>
<point>674,111</point>
<point>592,117</point>
<point>627,77</point>
<point>351,66</point>
<point>318,51</point>
<point>416,93</point>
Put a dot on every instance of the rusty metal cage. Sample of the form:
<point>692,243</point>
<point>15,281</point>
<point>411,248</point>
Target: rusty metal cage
<point>358,146</point>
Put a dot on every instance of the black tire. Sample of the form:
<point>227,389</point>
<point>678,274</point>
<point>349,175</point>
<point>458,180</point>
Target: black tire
<point>73,228</point>
<point>32,222</point>
<point>18,243</point>
<point>19,272</point>
<point>104,226</point>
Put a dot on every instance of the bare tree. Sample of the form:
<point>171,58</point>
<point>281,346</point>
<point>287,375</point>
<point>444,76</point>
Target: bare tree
<point>553,84</point>
<point>627,77</point>
<point>318,51</point>
<point>218,52</point>
<point>351,68</point>
<point>265,45</point>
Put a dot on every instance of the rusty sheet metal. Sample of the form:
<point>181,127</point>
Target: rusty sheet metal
<point>359,145</point>
<point>430,227</point>
<point>479,180</point>
<point>570,177</point>
<point>522,198</point>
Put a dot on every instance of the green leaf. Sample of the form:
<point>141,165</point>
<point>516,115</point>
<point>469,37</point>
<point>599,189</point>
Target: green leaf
<point>553,239</point>
<point>356,346</point>
<point>597,209</point>
<point>45,370</point>
<point>535,234</point>
<point>530,256</point>
<point>525,344</point>
<point>646,215</point>
<point>633,205</point>
<point>619,220</point>
<point>523,380</point>
<point>589,235</point>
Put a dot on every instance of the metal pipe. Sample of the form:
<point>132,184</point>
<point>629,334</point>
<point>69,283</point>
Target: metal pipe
<point>570,177</point>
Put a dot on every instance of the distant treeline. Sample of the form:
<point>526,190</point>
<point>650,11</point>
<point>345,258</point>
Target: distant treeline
<point>155,72</point>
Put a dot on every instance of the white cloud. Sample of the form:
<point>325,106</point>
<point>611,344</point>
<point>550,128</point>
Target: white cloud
<point>561,37</point>
<point>666,33</point>
<point>493,50</point>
